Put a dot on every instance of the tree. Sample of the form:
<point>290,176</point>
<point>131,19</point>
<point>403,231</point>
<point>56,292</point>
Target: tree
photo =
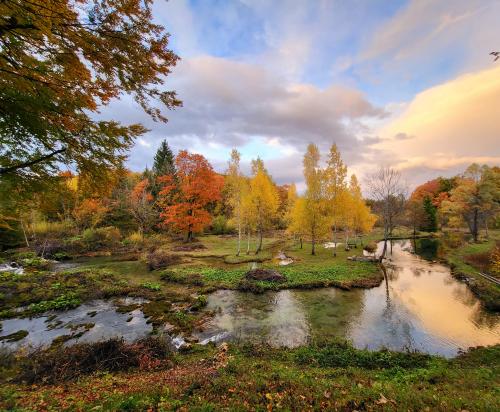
<point>198,186</point>
<point>264,199</point>
<point>236,188</point>
<point>431,215</point>
<point>60,62</point>
<point>312,213</point>
<point>475,198</point>
<point>141,206</point>
<point>164,162</point>
<point>90,212</point>
<point>388,191</point>
<point>361,220</point>
<point>335,176</point>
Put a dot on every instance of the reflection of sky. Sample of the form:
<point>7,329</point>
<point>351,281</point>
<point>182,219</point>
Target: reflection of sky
<point>426,310</point>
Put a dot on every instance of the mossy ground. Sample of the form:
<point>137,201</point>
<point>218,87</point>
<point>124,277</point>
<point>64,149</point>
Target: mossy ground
<point>331,377</point>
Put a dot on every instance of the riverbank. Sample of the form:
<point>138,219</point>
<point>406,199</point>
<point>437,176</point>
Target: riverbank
<point>467,260</point>
<point>231,377</point>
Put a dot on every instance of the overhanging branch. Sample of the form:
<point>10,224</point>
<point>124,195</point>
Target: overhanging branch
<point>5,170</point>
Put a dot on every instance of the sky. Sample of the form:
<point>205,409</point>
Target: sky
<point>408,84</point>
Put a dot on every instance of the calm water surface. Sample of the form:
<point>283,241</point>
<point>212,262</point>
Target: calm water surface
<point>420,306</point>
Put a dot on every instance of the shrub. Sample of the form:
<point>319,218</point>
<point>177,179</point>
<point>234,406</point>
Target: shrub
<point>159,258</point>
<point>151,286</point>
<point>134,239</point>
<point>66,363</point>
<point>195,279</point>
<point>103,237</point>
<point>221,226</point>
<point>371,247</point>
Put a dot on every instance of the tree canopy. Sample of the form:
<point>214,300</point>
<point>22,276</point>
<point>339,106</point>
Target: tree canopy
<point>61,60</point>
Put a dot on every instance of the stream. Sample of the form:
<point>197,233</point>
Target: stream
<point>419,306</point>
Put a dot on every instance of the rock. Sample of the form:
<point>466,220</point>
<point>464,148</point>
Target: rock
<point>265,274</point>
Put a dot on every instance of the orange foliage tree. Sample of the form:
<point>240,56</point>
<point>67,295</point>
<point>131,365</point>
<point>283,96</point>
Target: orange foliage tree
<point>184,201</point>
<point>141,206</point>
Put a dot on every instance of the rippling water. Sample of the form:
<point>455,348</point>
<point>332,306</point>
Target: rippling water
<point>420,306</point>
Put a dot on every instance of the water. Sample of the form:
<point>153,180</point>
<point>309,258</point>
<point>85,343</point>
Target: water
<point>420,306</point>
<point>95,321</point>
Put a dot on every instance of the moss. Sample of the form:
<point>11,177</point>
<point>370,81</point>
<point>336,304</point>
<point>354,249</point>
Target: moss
<point>14,337</point>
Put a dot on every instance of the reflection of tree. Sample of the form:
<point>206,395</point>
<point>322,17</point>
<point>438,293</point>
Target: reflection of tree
<point>331,312</point>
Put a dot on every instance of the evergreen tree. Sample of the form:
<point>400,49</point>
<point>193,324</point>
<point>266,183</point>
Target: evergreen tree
<point>164,161</point>
<point>430,215</point>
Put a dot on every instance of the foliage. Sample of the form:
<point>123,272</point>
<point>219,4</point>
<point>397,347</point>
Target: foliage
<point>198,186</point>
<point>151,286</point>
<point>66,301</point>
<point>90,213</point>
<point>141,206</point>
<point>101,237</point>
<point>61,61</point>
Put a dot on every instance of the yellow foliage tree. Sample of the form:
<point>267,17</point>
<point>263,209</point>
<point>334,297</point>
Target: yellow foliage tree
<point>264,200</point>
<point>311,213</point>
<point>335,190</point>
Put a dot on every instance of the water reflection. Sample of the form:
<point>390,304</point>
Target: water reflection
<point>418,306</point>
<point>90,322</point>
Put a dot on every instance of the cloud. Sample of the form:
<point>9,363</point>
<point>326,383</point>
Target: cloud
<point>452,125</point>
<point>402,136</point>
<point>229,104</point>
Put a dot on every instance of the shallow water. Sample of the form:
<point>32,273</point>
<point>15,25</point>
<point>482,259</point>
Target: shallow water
<point>419,306</point>
<point>107,323</point>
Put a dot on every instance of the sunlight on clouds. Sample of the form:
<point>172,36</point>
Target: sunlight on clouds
<point>452,124</point>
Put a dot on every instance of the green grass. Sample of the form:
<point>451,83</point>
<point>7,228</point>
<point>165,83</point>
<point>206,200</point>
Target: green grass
<point>329,377</point>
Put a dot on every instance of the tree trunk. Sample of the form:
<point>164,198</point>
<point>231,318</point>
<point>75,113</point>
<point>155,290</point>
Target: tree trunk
<point>239,240</point>
<point>486,228</point>
<point>248,241</point>
<point>313,246</point>
<point>335,240</point>
<point>474,225</point>
<point>301,242</point>
<point>259,248</point>
<point>24,233</point>
<point>385,244</point>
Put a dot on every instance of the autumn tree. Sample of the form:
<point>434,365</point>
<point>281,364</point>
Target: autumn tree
<point>90,212</point>
<point>141,206</point>
<point>476,197</point>
<point>196,188</point>
<point>335,189</point>
<point>236,185</point>
<point>361,219</point>
<point>312,212</point>
<point>264,199</point>
<point>60,62</point>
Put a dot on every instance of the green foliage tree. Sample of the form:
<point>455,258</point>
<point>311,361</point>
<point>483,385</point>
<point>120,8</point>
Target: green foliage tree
<point>60,62</point>
<point>430,211</point>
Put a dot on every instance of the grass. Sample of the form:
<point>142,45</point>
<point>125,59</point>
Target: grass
<point>459,255</point>
<point>328,377</point>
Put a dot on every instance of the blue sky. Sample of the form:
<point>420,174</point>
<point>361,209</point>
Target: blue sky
<point>268,77</point>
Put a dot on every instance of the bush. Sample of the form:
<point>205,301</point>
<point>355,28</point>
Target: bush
<point>158,259</point>
<point>195,279</point>
<point>221,226</point>
<point>66,363</point>
<point>100,238</point>
<point>67,301</point>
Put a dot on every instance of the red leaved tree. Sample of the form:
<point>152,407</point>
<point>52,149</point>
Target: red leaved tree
<point>185,199</point>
